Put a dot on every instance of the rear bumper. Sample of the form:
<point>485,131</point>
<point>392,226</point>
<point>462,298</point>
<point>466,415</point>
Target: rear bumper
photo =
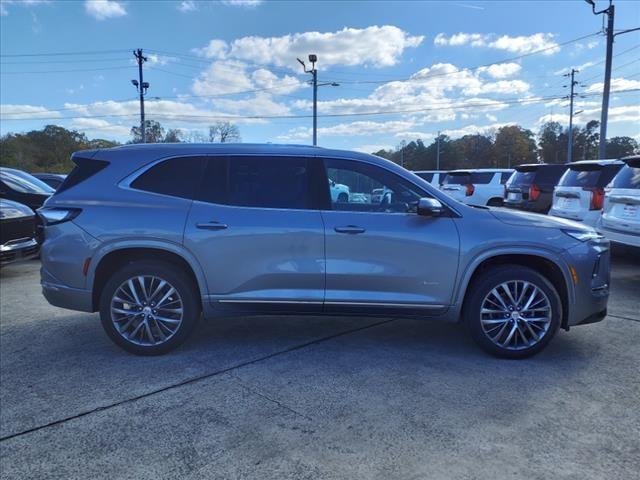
<point>620,237</point>
<point>63,296</point>
<point>588,218</point>
<point>526,205</point>
<point>18,251</point>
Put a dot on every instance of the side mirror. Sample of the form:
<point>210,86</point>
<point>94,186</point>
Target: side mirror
<point>429,207</point>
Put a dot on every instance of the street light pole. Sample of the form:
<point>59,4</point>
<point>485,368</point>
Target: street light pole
<point>314,82</point>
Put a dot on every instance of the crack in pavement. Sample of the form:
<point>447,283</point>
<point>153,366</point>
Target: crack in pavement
<point>197,379</point>
<point>266,397</point>
<point>624,318</point>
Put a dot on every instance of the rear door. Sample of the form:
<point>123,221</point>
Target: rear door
<point>380,254</point>
<point>257,233</point>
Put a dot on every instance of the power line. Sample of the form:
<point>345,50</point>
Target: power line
<point>56,54</point>
<point>67,71</point>
<point>463,106</point>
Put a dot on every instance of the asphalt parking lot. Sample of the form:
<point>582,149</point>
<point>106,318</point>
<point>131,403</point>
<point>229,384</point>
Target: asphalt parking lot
<point>315,398</point>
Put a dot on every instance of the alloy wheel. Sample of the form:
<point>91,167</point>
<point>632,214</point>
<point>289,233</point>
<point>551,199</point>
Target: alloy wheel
<point>146,310</point>
<point>516,315</point>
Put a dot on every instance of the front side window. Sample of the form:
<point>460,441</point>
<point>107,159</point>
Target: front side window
<point>177,177</point>
<point>357,186</point>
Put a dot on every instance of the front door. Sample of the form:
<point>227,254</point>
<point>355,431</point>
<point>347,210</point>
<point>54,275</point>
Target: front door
<point>256,235</point>
<point>379,253</point>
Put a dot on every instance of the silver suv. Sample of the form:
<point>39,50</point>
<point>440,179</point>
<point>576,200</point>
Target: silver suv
<point>154,236</point>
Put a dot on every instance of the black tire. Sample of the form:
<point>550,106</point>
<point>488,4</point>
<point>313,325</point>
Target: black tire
<point>343,197</point>
<point>185,287</point>
<point>484,284</point>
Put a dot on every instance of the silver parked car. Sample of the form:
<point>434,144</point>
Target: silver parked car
<point>151,236</point>
<point>620,219</point>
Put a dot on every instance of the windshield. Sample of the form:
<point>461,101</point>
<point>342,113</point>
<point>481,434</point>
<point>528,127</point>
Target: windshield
<point>628,177</point>
<point>24,183</point>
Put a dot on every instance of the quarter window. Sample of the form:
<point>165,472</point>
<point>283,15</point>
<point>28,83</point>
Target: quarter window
<point>361,187</point>
<point>177,177</point>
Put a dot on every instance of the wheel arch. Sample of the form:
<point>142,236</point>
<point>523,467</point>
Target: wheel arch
<point>109,259</point>
<point>542,262</point>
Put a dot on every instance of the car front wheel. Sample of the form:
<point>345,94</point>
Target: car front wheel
<point>512,311</point>
<point>149,308</point>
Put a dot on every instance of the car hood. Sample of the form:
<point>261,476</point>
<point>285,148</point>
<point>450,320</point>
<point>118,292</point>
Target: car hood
<point>527,219</point>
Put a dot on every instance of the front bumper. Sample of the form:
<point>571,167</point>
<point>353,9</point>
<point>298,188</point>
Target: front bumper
<point>18,250</point>
<point>590,262</point>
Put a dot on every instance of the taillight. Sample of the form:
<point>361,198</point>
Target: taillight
<point>534,192</point>
<point>54,215</point>
<point>470,189</point>
<point>597,198</point>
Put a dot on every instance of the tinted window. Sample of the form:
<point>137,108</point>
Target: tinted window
<point>84,169</point>
<point>426,176</point>
<point>214,187</point>
<point>457,178</point>
<point>481,177</point>
<point>23,182</point>
<point>523,178</point>
<point>550,174</point>
<point>504,177</point>
<point>178,177</point>
<point>628,177</point>
<point>581,176</point>
<point>356,186</point>
<point>268,182</point>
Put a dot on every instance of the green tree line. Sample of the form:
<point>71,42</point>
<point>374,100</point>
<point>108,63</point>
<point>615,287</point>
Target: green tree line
<point>50,149</point>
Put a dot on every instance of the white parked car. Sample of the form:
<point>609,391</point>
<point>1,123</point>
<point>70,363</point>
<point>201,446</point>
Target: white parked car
<point>339,192</point>
<point>434,177</point>
<point>620,219</point>
<point>482,186</point>
<point>579,194</point>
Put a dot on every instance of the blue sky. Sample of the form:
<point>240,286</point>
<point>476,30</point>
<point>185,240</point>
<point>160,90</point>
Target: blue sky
<point>406,69</point>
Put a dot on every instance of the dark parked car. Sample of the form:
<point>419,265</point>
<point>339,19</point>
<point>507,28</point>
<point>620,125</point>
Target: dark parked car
<point>23,188</point>
<point>17,232</point>
<point>54,180</point>
<point>531,186</point>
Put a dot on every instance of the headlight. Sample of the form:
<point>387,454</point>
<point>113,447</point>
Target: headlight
<point>583,235</point>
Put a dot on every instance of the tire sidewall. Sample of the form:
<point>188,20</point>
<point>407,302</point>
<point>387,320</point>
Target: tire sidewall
<point>178,279</point>
<point>490,279</point>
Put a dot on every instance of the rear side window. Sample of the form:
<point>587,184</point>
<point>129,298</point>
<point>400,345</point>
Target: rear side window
<point>628,177</point>
<point>504,176</point>
<point>177,177</point>
<point>84,169</point>
<point>259,182</point>
<point>457,178</point>
<point>583,176</point>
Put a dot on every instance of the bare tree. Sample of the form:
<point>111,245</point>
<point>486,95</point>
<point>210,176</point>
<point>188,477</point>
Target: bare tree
<point>224,132</point>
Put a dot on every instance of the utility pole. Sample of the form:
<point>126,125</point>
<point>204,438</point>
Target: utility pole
<point>438,151</point>
<point>402,145</point>
<point>572,84</point>
<point>142,87</point>
<point>314,82</point>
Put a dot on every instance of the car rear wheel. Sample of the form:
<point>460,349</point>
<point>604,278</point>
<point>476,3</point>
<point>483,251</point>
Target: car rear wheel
<point>512,311</point>
<point>343,197</point>
<point>149,308</point>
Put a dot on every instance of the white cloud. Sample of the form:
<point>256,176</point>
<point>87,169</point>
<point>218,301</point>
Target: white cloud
<point>99,127</point>
<point>25,3</point>
<point>350,129</point>
<point>617,84</point>
<point>521,44</point>
<point>214,49</point>
<point>242,3</point>
<point>103,9</point>
<point>187,6</point>
<point>15,112</point>
<point>581,67</point>
<point>372,148</point>
<point>376,46</point>
<point>501,70</point>
<point>222,77</point>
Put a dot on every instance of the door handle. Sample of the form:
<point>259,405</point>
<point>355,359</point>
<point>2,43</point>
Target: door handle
<point>212,226</point>
<point>350,229</point>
